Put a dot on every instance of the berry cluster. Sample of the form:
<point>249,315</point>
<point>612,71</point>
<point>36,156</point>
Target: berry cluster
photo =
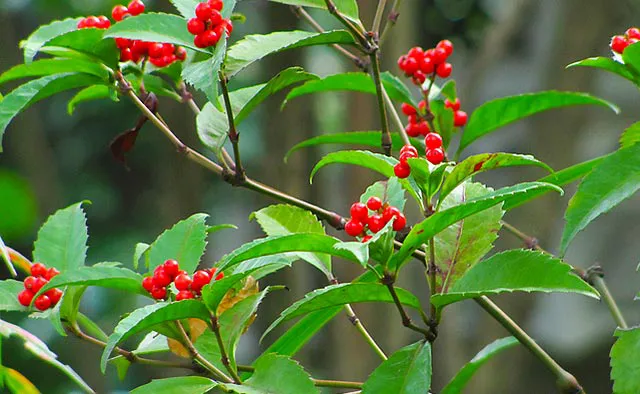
<point>119,12</point>
<point>459,116</point>
<point>620,42</point>
<point>40,276</point>
<point>208,26</point>
<point>99,22</point>
<point>170,272</point>
<point>417,125</point>
<point>418,63</point>
<point>361,220</point>
<point>159,54</point>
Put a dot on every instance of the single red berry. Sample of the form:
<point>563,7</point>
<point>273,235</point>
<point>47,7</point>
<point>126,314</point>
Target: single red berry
<point>416,53</point>
<point>199,41</point>
<point>459,118</point>
<point>435,156</point>
<point>216,4</point>
<point>375,223</point>
<point>54,295</point>
<point>38,284</point>
<point>401,62</point>
<point>366,238</point>
<point>354,227</point>
<point>389,213</point>
<point>447,46</point>
<point>119,12</point>
<point>171,267</point>
<point>400,222</point>
<point>182,282</point>
<point>200,279</point>
<point>104,23</point>
<point>203,11</point>
<point>374,203</point>
<point>407,155</point>
<point>453,106</point>
<point>216,17</point>
<point>161,278</point>
<point>147,283</point>
<point>168,59</point>
<point>359,212</point>
<point>159,293</point>
<point>92,21</point>
<point>155,49</point>
<point>412,130</point>
<point>123,43</point>
<point>219,276</point>
<point>136,57</point>
<point>210,37</point>
<point>633,32</point>
<point>42,302</point>
<point>184,295</point>
<point>439,56</point>
<point>413,118</point>
<point>419,77</point>
<point>125,55</point>
<point>411,66</point>
<point>25,297</point>
<point>426,65</point>
<point>618,44</point>
<point>408,109</point>
<point>136,7</point>
<point>38,269</point>
<point>423,128</point>
<point>29,282</point>
<point>433,141</point>
<point>409,148</point>
<point>168,49</point>
<point>51,272</point>
<point>181,53</point>
<point>196,26</point>
<point>82,23</point>
<point>228,26</point>
<point>422,106</point>
<point>402,170</point>
<point>140,47</point>
<point>444,70</point>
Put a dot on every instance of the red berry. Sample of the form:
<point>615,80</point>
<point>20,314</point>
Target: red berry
<point>215,18</point>
<point>123,43</point>
<point>196,26</point>
<point>618,44</point>
<point>147,283</point>
<point>182,282</point>
<point>423,128</point>
<point>416,53</point>
<point>38,284</point>
<point>633,32</point>
<point>171,267</point>
<point>366,238</point>
<point>409,148</point>
<point>453,106</point>
<point>168,49</point>
<point>216,4</point>
<point>29,282</point>
<point>389,213</point>
<point>407,155</point>
<point>359,212</point>
<point>219,276</point>
<point>25,297</point>
<point>433,141</point>
<point>91,21</point>
<point>136,7</point>
<point>459,118</point>
<point>51,272</point>
<point>435,156</point>
<point>203,11</point>
<point>161,278</point>
<point>181,53</point>
<point>54,295</point>
<point>422,105</point>
<point>228,27</point>
<point>104,23</point>
<point>159,293</point>
<point>444,70</point>
<point>408,109</point>
<point>400,222</point>
<point>402,170</point>
<point>401,62</point>
<point>447,46</point>
<point>426,65</point>
<point>375,223</point>
<point>82,23</point>
<point>140,47</point>
<point>410,66</point>
<point>155,49</point>
<point>199,41</point>
<point>374,203</point>
<point>38,269</point>
<point>200,279</point>
<point>125,55</point>
<point>184,295</point>
<point>419,77</point>
<point>210,37</point>
<point>119,12</point>
<point>42,302</point>
<point>412,130</point>
<point>354,227</point>
<point>439,56</point>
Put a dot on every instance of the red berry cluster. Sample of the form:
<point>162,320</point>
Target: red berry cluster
<point>620,42</point>
<point>417,125</point>
<point>99,22</point>
<point>459,116</point>
<point>187,286</point>
<point>159,54</point>
<point>119,12</point>
<point>208,26</point>
<point>40,276</point>
<point>434,154</point>
<point>418,63</point>
<point>361,220</point>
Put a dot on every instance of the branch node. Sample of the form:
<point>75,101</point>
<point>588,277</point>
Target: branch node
<point>595,271</point>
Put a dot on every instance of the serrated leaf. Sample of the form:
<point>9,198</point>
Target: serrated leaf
<point>503,111</point>
<point>464,375</point>
<point>285,219</point>
<point>101,276</point>
<point>150,344</point>
<point>341,294</point>
<point>203,75</point>
<point>185,242</point>
<point>215,292</point>
<point>630,136</point>
<point>612,181</point>
<point>631,58</point>
<point>348,8</point>
<point>95,92</point>
<point>62,239</point>
<point>186,8</point>
<point>9,290</point>
<point>407,371</point>
<point>254,47</point>
<point>16,382</point>
<point>44,67</point>
<point>421,232</point>
<point>625,361</point>
<point>43,34</point>
<point>39,349</point>
<point>485,162</point>
<point>177,385</point>
<point>607,64</point>
<point>151,315</point>
<point>515,270</point>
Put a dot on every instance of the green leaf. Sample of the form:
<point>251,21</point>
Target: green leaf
<point>276,374</point>
<point>254,47</point>
<point>16,382</point>
<point>461,245</point>
<point>443,121</point>
<point>101,276</point>
<point>503,111</point>
<point>214,292</point>
<point>421,232</point>
<point>157,85</point>
<point>140,250</point>
<point>484,162</point>
<point>185,242</point>
<point>146,317</point>
<point>631,58</point>
<point>607,64</point>
<point>449,90</point>
<point>177,385</point>
<point>612,181</point>
<point>630,136</point>
<point>88,44</point>
<point>341,294</point>
<point>44,67</point>
<point>287,219</point>
<point>43,34</point>
<point>407,371</point>
<point>203,75</point>
<point>90,327</point>
<point>625,362</point>
<point>348,8</point>
<point>515,270</point>
<point>464,375</point>
<point>389,191</point>
<point>95,92</point>
<point>4,256</point>
<point>9,290</point>
<point>39,349</point>
<point>187,8</point>
<point>373,161</point>
<point>62,240</point>
<point>154,27</point>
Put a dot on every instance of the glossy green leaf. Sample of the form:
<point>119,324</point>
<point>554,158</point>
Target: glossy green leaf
<point>485,162</point>
<point>254,47</point>
<point>631,58</point>
<point>203,75</point>
<point>407,371</point>
<point>177,385</point>
<point>276,374</point>
<point>152,343</point>
<point>43,34</point>
<point>348,8</point>
<point>89,44</point>
<point>149,316</point>
<point>630,136</point>
<point>139,251</point>
<point>607,64</point>
<point>186,8</point>
<point>515,270</point>
<point>157,85</point>
<point>420,172</point>
<point>39,349</point>
<point>443,121</point>
<point>185,242</point>
<point>62,239</point>
<point>464,375</point>
<point>625,361</point>
<point>90,327</point>
<point>9,290</point>
<point>503,111</point>
<point>101,276</point>
<point>341,294</point>
<point>95,92</point>
<point>389,191</point>
<point>44,67</point>
<point>214,292</point>
<point>448,90</point>
<point>421,232</point>
<point>612,181</point>
<point>373,161</point>
<point>16,382</point>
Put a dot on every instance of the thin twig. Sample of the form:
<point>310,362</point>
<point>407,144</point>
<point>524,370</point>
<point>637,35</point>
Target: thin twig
<point>377,19</point>
<point>197,356</point>
<point>429,334</point>
<point>386,136</point>
<point>432,273</point>
<point>595,276</point>
<point>529,241</point>
<point>396,118</point>
<point>224,357</point>
<point>392,19</point>
<point>234,136</point>
<point>318,382</point>
<point>356,31</point>
<point>363,331</point>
